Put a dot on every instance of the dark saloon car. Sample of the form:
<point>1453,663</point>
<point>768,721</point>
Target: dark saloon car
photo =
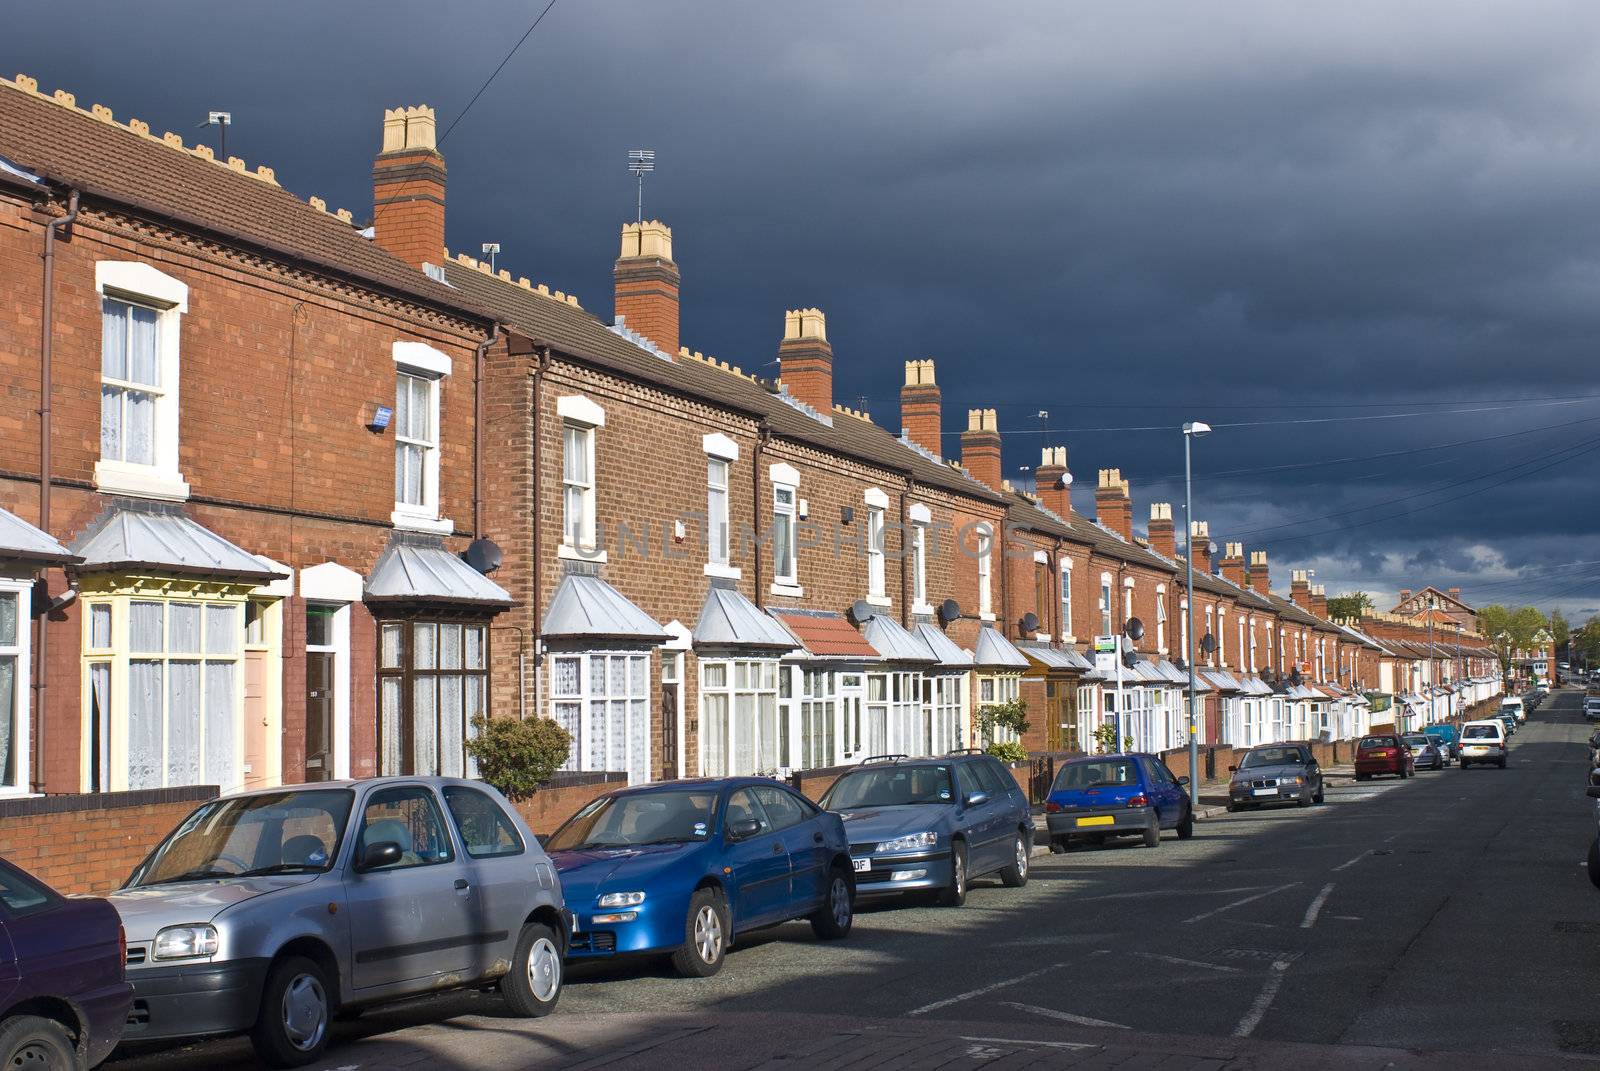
<point>1116,795</point>
<point>63,997</point>
<point>683,867</point>
<point>1275,773</point>
<point>1426,753</point>
<point>1383,753</point>
<point>921,824</point>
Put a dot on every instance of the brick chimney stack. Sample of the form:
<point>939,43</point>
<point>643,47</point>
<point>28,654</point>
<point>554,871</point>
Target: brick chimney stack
<point>408,188</point>
<point>1050,481</point>
<point>1300,589</point>
<point>1112,506</point>
<point>920,406</point>
<point>645,283</point>
<point>805,360</point>
<point>1405,593</point>
<point>1455,593</point>
<point>1199,548</point>
<point>1319,601</point>
<point>1258,572</point>
<point>1233,564</point>
<point>980,447</point>
<point>1163,538</point>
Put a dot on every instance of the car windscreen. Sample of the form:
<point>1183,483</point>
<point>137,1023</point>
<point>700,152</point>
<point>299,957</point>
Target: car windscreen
<point>1271,756</point>
<point>1418,739</point>
<point>668,817</point>
<point>1377,741</point>
<point>1480,732</point>
<point>291,832</point>
<point>1103,773</point>
<point>890,786</point>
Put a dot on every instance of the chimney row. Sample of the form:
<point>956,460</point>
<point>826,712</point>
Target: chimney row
<point>920,407</point>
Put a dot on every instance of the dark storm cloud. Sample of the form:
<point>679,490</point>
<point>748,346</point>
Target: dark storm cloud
<point>1240,211</point>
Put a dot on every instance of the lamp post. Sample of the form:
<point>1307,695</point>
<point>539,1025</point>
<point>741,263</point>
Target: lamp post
<point>1191,431</point>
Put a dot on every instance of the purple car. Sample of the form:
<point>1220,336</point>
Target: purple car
<point>63,996</point>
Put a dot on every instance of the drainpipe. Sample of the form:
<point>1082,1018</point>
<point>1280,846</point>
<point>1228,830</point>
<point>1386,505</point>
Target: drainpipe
<point>763,433</point>
<point>905,548</point>
<point>46,332</point>
<point>537,526</point>
<point>477,430</point>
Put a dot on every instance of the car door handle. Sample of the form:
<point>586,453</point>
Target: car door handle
<point>816,838</point>
<point>777,849</point>
<point>461,883</point>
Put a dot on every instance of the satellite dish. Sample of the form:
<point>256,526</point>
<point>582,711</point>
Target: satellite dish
<point>1208,643</point>
<point>1065,480</point>
<point>949,611</point>
<point>1295,678</point>
<point>483,555</point>
<point>1030,622</point>
<point>1133,629</point>
<point>1129,658</point>
<point>860,612</point>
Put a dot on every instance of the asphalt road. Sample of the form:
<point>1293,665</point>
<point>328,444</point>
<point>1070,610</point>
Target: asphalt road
<point>1443,920</point>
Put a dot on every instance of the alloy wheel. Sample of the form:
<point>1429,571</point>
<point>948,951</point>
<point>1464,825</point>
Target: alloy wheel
<point>1022,858</point>
<point>544,969</point>
<point>961,873</point>
<point>305,1012</point>
<point>708,934</point>
<point>839,901</point>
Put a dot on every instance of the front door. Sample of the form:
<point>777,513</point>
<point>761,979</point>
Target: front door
<point>1054,729</point>
<point>669,717</point>
<point>319,715</point>
<point>255,718</point>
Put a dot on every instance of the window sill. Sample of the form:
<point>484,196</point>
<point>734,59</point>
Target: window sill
<point>421,522</point>
<point>569,553</point>
<point>723,572</point>
<point>139,481</point>
<point>1041,637</point>
<point>880,600</point>
<point>789,591</point>
<point>922,608</point>
<point>986,617</point>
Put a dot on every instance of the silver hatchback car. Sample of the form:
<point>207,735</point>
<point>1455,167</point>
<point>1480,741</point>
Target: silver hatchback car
<point>273,911</point>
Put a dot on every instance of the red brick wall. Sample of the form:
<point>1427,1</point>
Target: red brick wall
<point>547,808</point>
<point>91,849</point>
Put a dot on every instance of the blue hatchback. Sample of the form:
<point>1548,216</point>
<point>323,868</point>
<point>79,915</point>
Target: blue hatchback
<point>1104,796</point>
<point>681,867</point>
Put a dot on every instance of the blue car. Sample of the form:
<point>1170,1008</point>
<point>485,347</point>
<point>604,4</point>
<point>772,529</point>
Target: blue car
<point>933,824</point>
<point>1103,796</point>
<point>682,867</point>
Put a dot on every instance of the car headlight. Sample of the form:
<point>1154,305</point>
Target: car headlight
<point>909,843</point>
<point>1296,780</point>
<point>185,942</point>
<point>622,899</point>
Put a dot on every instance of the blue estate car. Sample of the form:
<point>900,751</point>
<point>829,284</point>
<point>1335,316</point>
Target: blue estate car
<point>1104,796</point>
<point>917,824</point>
<point>682,867</point>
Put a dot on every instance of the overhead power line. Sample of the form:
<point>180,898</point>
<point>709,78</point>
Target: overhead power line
<point>1202,406</point>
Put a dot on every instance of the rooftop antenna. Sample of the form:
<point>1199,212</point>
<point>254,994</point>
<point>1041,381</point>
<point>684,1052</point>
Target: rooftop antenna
<point>490,249</point>
<point>640,163</point>
<point>220,120</point>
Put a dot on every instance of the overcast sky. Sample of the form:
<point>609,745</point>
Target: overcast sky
<point>1125,215</point>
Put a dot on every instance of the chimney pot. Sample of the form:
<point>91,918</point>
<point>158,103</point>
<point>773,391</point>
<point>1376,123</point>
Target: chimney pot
<point>1112,504</point>
<point>1199,548</point>
<point>921,407</point>
<point>1163,538</point>
<point>1050,481</point>
<point>645,283</point>
<point>980,447</point>
<point>408,187</point>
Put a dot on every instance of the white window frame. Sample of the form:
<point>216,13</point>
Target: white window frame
<point>134,283</point>
<point>22,724</point>
<point>720,450</point>
<point>785,481</point>
<point>1161,618</point>
<point>877,538</point>
<point>1127,599</point>
<point>985,572</point>
<point>1252,631</point>
<point>419,361</point>
<point>921,518</point>
<point>993,690</point>
<point>1211,630</point>
<point>1107,625</point>
<point>583,417</point>
<point>589,750</point>
<point>760,677</point>
<point>1065,579</point>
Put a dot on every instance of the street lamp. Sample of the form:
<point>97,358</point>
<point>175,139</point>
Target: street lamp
<point>1191,431</point>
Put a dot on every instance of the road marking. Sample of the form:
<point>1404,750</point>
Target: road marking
<point>957,999</point>
<point>1316,907</point>
<point>1021,1041</point>
<point>1181,962</point>
<point>1263,1001</point>
<point>1166,892</point>
<point>1240,903</point>
<point>1066,1017</point>
<point>1353,862</point>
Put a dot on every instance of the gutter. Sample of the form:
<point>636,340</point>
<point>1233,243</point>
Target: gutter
<point>46,339</point>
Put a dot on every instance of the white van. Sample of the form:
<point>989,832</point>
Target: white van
<point>1485,742</point>
<point>1515,706</point>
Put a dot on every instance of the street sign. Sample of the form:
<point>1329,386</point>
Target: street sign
<point>1105,643</point>
<point>1105,663</point>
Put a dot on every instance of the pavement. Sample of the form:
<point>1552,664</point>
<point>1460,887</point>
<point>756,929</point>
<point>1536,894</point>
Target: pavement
<point>1444,921</point>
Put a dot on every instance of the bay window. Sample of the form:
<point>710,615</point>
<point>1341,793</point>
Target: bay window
<point>892,712</point>
<point>818,710</point>
<point>603,700</point>
<point>995,690</point>
<point>13,688</point>
<point>941,712</point>
<point>740,726</point>
<point>432,681</point>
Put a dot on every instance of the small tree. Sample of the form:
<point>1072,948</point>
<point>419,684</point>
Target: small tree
<point>1105,740</point>
<point>517,755</point>
<point>1352,604</point>
<point>1011,718</point>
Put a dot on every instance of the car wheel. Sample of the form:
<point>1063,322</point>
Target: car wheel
<point>1305,800</point>
<point>705,935</point>
<point>1016,875</point>
<point>1321,797</point>
<point>1502,764</point>
<point>33,1043</point>
<point>1363,777</point>
<point>955,894</point>
<point>533,985</point>
<point>292,1026</point>
<point>1152,834</point>
<point>1594,862</point>
<point>1186,824</point>
<point>838,911</point>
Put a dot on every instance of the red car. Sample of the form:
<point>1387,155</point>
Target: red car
<point>1384,753</point>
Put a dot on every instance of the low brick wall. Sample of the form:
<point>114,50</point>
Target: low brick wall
<point>559,800</point>
<point>813,783</point>
<point>89,843</point>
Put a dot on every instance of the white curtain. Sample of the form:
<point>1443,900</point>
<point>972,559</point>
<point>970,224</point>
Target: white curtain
<point>183,628</point>
<point>221,725</point>
<point>100,686</point>
<point>145,694</point>
<point>424,722</point>
<point>183,723</point>
<point>451,734</point>
<point>390,714</point>
<point>222,629</point>
<point>144,627</point>
<point>8,712</point>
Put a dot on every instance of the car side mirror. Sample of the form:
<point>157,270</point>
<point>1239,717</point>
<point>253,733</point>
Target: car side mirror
<point>744,827</point>
<point>379,855</point>
<point>975,798</point>
<point>1184,780</point>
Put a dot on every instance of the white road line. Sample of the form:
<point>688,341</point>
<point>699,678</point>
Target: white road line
<point>1316,907</point>
<point>945,1003</point>
<point>1166,892</point>
<point>1353,862</point>
<point>1240,903</point>
<point>1029,1041</point>
<point>1181,962</point>
<point>1263,1001</point>
<point>1066,1017</point>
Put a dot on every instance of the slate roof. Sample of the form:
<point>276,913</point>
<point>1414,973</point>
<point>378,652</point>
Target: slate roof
<point>20,540</point>
<point>109,162</point>
<point>994,651</point>
<point>585,606</point>
<point>894,643</point>
<point>160,537</point>
<point>418,568</point>
<point>944,648</point>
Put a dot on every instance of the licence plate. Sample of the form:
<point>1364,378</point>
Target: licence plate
<point>1476,750</point>
<point>1098,820</point>
<point>861,865</point>
<point>1266,792</point>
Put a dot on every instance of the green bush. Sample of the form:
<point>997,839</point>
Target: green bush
<point>1010,717</point>
<point>1105,740</point>
<point>1008,751</point>
<point>517,755</point>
